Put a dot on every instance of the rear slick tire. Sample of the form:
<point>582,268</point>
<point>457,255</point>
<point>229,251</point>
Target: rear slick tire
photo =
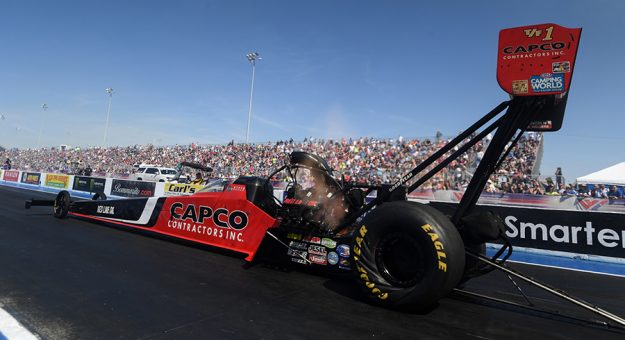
<point>407,255</point>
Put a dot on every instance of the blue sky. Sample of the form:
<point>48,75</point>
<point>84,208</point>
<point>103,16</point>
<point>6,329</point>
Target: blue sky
<point>329,69</point>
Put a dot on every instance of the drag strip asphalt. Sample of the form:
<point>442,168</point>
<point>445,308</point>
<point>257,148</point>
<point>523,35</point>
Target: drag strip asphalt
<point>70,279</point>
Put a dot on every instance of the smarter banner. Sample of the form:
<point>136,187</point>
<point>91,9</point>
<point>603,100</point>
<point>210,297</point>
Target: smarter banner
<point>582,232</point>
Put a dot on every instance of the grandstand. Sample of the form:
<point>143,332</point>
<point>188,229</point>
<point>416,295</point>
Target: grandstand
<point>363,160</point>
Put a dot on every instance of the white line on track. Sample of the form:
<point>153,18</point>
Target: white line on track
<point>11,329</point>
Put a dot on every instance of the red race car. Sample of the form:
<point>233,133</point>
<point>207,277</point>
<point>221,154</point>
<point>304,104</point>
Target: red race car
<point>403,254</point>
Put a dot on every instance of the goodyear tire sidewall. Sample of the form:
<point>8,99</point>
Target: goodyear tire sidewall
<point>439,257</point>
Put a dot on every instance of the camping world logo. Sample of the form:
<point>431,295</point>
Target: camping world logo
<point>548,82</point>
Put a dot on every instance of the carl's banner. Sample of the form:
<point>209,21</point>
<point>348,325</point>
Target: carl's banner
<point>180,189</point>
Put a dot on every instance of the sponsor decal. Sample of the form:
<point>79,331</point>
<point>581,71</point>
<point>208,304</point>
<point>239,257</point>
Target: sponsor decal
<point>11,175</point>
<point>236,187</point>
<point>221,217</point>
<point>88,184</point>
<point>343,250</point>
<point>317,250</point>
<point>440,249</point>
<point>127,211</point>
<point>345,264</point>
<point>218,219</point>
<point>294,236</point>
<point>57,181</point>
<point>291,201</point>
<point>547,82</point>
<point>328,242</point>
<point>297,253</point>
<point>132,188</point>
<point>299,260</point>
<point>363,275</point>
<point>31,178</point>
<point>218,222</point>
<point>179,189</point>
<point>519,86</point>
<point>318,259</point>
<point>561,67</point>
<point>106,209</point>
<point>541,124</point>
<point>549,49</point>
<point>295,201</point>
<point>312,239</point>
<point>333,258</point>
<point>298,245</point>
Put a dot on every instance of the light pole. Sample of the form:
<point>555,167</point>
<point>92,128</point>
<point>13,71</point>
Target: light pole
<point>44,107</point>
<point>251,57</point>
<point>108,90</point>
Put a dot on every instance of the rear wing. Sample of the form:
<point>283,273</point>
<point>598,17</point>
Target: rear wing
<point>538,60</point>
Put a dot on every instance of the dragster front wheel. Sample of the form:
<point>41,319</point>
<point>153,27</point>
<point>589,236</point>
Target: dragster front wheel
<point>407,255</point>
<point>61,204</point>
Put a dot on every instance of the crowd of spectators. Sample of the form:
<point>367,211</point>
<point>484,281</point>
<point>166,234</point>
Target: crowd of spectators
<point>363,160</point>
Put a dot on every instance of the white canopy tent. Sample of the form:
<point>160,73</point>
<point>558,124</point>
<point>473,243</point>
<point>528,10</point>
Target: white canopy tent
<point>614,174</point>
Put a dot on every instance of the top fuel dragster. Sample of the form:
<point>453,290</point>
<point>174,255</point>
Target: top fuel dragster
<point>404,254</point>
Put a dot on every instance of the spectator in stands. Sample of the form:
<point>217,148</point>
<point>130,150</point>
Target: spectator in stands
<point>549,185</point>
<point>583,191</point>
<point>569,191</point>
<point>600,191</point>
<point>614,193</point>
<point>559,179</point>
<point>536,188</point>
<point>7,164</point>
<point>364,160</point>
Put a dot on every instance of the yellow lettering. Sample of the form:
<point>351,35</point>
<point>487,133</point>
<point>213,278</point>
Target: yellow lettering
<point>442,266</point>
<point>548,35</point>
<point>441,255</point>
<point>532,32</point>
<point>383,296</point>
<point>438,245</point>
<point>364,277</point>
<point>376,291</point>
<point>433,236</point>
<point>357,252</point>
<point>370,285</point>
<point>359,241</point>
<point>360,269</point>
<point>363,230</point>
<point>426,227</point>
